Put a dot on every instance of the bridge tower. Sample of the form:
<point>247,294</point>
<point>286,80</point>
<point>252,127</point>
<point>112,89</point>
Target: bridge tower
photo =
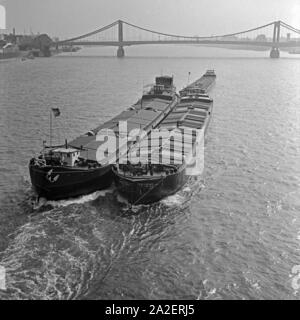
<point>275,53</point>
<point>120,52</point>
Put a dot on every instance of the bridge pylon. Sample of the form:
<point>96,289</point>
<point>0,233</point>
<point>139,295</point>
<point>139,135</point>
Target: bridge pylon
<point>275,53</point>
<point>121,51</point>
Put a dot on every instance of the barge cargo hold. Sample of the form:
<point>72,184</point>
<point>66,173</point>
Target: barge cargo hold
<point>72,169</point>
<point>161,172</point>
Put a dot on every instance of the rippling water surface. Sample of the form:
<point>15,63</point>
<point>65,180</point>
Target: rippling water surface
<point>232,234</point>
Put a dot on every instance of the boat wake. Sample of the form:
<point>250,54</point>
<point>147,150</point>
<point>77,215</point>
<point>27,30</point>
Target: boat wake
<point>175,200</point>
<point>65,247</point>
<point>43,204</point>
<point>60,252</point>
<point>80,200</point>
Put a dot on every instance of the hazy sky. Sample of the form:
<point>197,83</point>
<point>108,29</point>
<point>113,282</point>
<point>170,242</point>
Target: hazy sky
<point>65,18</point>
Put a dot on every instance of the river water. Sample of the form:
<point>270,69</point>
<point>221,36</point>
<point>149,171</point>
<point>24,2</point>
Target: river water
<point>233,233</point>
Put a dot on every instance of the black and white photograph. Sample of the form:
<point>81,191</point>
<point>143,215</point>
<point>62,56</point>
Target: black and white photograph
<point>149,151</point>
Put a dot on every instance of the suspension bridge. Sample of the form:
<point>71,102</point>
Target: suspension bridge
<point>274,35</point>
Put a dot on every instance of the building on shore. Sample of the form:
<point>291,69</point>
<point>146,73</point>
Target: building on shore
<point>9,50</point>
<point>39,45</point>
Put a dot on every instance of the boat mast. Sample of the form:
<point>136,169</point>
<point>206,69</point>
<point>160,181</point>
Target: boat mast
<point>189,74</point>
<point>50,128</point>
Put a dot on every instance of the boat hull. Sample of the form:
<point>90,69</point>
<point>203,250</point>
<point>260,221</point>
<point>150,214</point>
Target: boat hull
<point>147,191</point>
<point>137,183</point>
<point>56,183</point>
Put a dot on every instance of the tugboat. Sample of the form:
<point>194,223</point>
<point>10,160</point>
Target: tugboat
<point>72,169</point>
<point>163,170</point>
<point>61,172</point>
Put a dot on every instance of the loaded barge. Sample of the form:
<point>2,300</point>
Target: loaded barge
<point>162,167</point>
<point>73,169</point>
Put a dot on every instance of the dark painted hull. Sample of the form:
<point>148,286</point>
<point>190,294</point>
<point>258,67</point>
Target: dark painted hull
<point>70,182</point>
<point>150,190</point>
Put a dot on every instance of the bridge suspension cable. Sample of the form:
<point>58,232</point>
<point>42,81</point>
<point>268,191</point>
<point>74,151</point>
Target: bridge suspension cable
<point>91,33</point>
<point>153,32</point>
<point>289,27</point>
<point>202,37</point>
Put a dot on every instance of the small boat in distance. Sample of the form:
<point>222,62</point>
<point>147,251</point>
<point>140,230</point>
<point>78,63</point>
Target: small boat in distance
<point>72,169</point>
<point>294,51</point>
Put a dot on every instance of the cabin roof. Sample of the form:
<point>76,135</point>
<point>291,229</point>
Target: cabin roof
<point>65,150</point>
<point>167,77</point>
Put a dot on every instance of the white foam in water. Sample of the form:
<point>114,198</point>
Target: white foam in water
<point>187,189</point>
<point>79,200</point>
<point>121,199</point>
<point>174,200</point>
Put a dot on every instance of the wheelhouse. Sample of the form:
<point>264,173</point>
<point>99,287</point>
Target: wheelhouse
<point>162,89</point>
<point>210,73</point>
<point>68,156</point>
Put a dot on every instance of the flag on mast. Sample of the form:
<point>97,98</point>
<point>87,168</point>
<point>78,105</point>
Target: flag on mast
<point>56,112</point>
